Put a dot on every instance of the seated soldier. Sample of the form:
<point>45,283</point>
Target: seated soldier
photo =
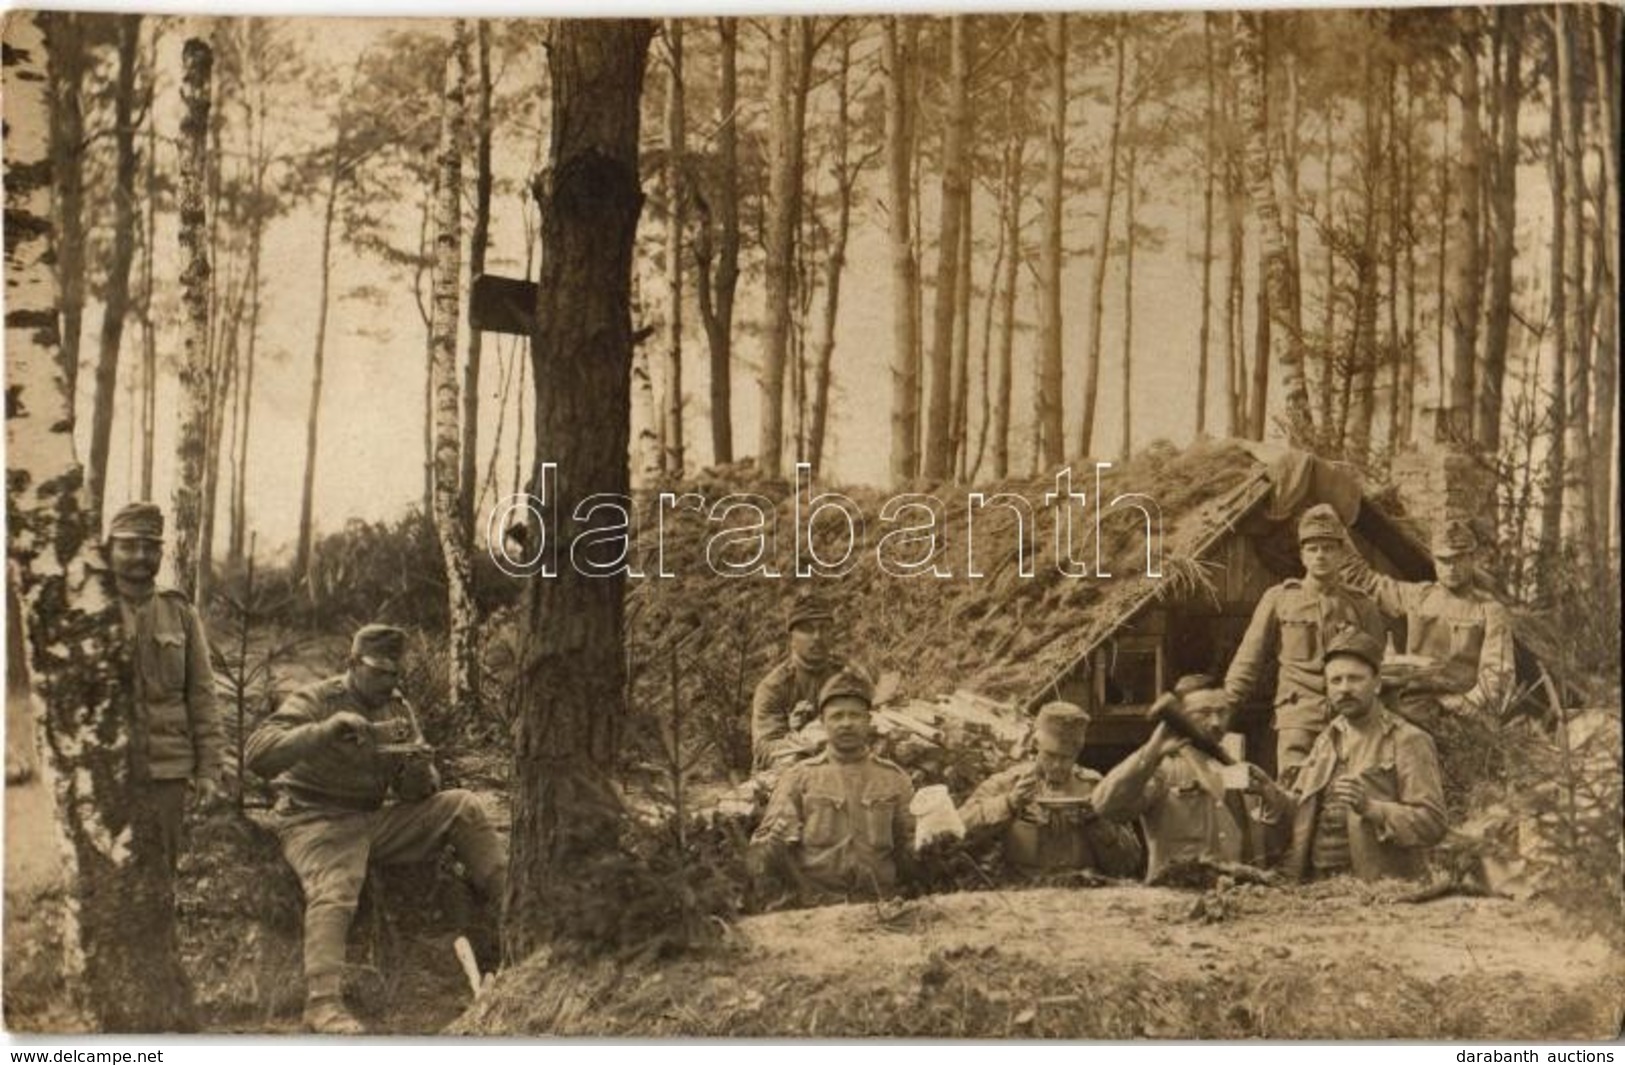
<point>1369,801</point>
<point>1180,794</point>
<point>785,698</point>
<point>1042,810</point>
<point>838,826</point>
<point>336,749</point>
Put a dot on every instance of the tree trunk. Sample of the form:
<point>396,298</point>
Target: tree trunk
<point>569,730</point>
<point>1407,396</point>
<point>719,318</point>
<point>301,565</point>
<point>1235,367</point>
<point>1210,170</point>
<point>788,100</point>
<point>905,408</point>
<point>479,240</point>
<point>67,61</point>
<point>1328,313</point>
<point>463,620</point>
<point>1126,447</point>
<point>1550,551</point>
<point>1466,290</point>
<point>1011,220</point>
<point>116,302</point>
<point>122,958</point>
<point>1357,445</point>
<point>955,189</point>
<point>1103,252</point>
<point>1604,416</point>
<point>676,146</point>
<point>149,333</point>
<point>959,403</point>
<point>1503,212</point>
<point>192,448</point>
<point>1579,518</point>
<point>1277,280</point>
<point>846,177</point>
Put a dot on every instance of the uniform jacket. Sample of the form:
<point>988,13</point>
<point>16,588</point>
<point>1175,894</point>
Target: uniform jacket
<point>846,824</point>
<point>778,692</point>
<point>1406,813</point>
<point>312,772</point>
<point>1468,632</point>
<point>1291,625</point>
<point>1188,815</point>
<point>1042,839</point>
<point>174,686</point>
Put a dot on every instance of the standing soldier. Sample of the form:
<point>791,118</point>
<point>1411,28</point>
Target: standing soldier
<point>786,698</point>
<point>1292,624</point>
<point>173,678</point>
<point>1461,627</point>
<point>337,749</point>
<point>838,826</point>
<point>1043,810</point>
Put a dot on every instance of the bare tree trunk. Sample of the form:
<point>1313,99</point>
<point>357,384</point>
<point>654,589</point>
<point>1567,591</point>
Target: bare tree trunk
<point>676,220</point>
<point>955,188</point>
<point>569,729</point>
<point>1393,178</point>
<point>1407,396</point>
<point>149,335</point>
<point>301,565</point>
<point>1130,177</point>
<point>905,409</point>
<point>958,436</point>
<point>192,447</point>
<point>1579,518</point>
<point>1209,180</point>
<point>67,61</point>
<point>116,302</point>
<point>462,618</point>
<point>846,177</point>
<point>1549,558</point>
<point>1466,293</point>
<point>719,326</point>
<point>787,96</point>
<point>1277,280</point>
<point>1011,220</point>
<point>1604,468</point>
<point>1102,248</point>
<point>1503,228</point>
<point>479,240</point>
<point>1328,311</point>
<point>1358,443</point>
<point>122,959</point>
<point>1235,368</point>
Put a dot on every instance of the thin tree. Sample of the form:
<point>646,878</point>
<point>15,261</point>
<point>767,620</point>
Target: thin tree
<point>955,190</point>
<point>897,58</point>
<point>1010,220</point>
<point>1210,169</point>
<point>1466,278</point>
<point>1503,230</point>
<point>191,448</point>
<point>716,292</point>
<point>1580,516</point>
<point>1550,550</point>
<point>787,61</point>
<point>1093,351</point>
<point>568,733</point>
<point>67,62</point>
<point>1048,396</point>
<point>122,960</point>
<point>676,146</point>
<point>478,242</point>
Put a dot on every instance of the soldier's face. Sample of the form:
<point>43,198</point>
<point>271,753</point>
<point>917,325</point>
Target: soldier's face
<point>809,640</point>
<point>846,723</point>
<point>1321,557</point>
<point>1055,763</point>
<point>136,560</point>
<point>1455,572</point>
<point>373,683</point>
<point>1351,686</point>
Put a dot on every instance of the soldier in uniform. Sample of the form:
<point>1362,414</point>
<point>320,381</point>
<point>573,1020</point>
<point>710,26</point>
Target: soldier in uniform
<point>1461,627</point>
<point>1292,623</point>
<point>786,698</point>
<point>174,681</point>
<point>1369,800</point>
<point>1042,810</point>
<point>1180,796</point>
<point>838,826</point>
<point>336,750</point>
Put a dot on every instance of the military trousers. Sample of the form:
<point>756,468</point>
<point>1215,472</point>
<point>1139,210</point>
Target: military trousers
<point>330,850</point>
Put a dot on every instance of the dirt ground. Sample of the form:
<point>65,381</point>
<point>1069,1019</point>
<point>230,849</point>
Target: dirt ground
<point>1321,961</point>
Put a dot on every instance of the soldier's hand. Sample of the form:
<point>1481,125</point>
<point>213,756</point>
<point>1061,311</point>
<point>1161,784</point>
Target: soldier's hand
<point>206,792</point>
<point>1453,704</point>
<point>1021,796</point>
<point>1351,792</point>
<point>346,726</point>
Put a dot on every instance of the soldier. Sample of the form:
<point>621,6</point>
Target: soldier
<point>1462,628</point>
<point>1043,809</point>
<point>1292,623</point>
<point>1182,799</point>
<point>336,749</point>
<point>786,698</point>
<point>1369,801</point>
<point>174,682</point>
<point>838,826</point>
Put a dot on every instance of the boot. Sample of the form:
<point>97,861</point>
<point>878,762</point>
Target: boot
<point>326,929</point>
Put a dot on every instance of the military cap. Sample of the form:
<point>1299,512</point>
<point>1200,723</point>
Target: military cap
<point>847,682</point>
<point>379,646</point>
<point>1355,643</point>
<point>809,606</point>
<point>1454,538</point>
<point>137,521</point>
<point>1192,682</point>
<point>1204,700</point>
<point>1064,724</point>
<point>1320,522</point>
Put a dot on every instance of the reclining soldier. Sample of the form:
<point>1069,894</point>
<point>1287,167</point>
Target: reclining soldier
<point>337,749</point>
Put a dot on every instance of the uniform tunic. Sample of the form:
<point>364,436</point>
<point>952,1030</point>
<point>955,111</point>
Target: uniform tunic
<point>783,688</point>
<point>174,686</point>
<point>1187,813</point>
<point>844,824</point>
<point>1043,838</point>
<point>1468,633</point>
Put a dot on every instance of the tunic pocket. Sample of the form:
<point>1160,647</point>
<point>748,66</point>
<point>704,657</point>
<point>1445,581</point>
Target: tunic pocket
<point>878,816</point>
<point>823,817</point>
<point>170,651</point>
<point>1466,640</point>
<point>1300,641</point>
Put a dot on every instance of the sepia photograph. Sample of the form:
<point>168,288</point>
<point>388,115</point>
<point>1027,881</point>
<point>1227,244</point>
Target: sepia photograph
<point>1069,525</point>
